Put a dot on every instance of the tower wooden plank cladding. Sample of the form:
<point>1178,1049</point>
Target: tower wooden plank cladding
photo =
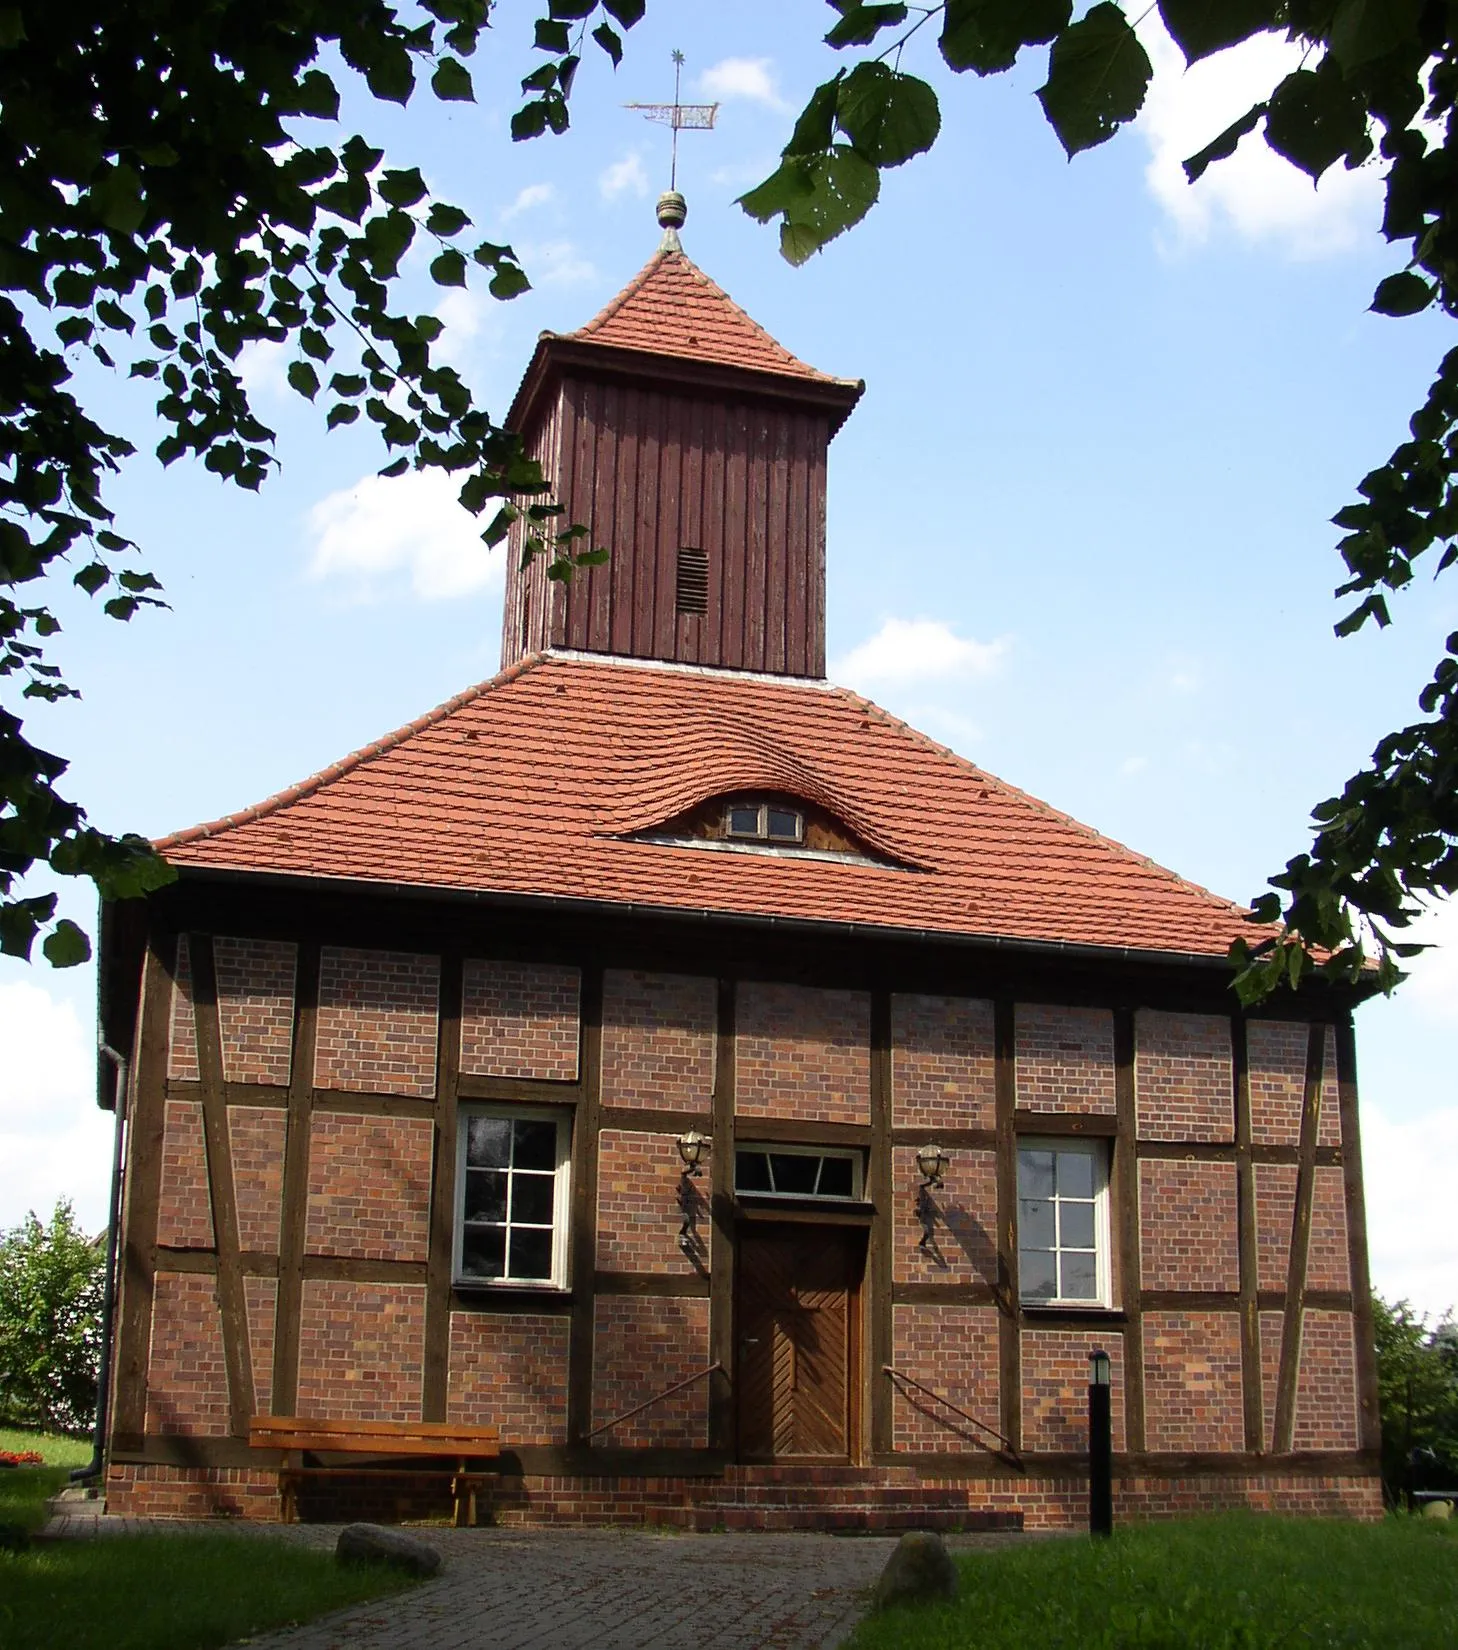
<point>425,1053</point>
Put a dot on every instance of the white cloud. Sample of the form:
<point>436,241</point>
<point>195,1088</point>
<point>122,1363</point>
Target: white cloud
<point>263,367</point>
<point>1408,1168</point>
<point>380,533</point>
<point>749,78</point>
<point>624,176</point>
<point>1433,986</point>
<point>535,194</point>
<point>1255,192</point>
<point>1132,765</point>
<point>918,650</point>
<point>556,263</point>
<point>54,1143</point>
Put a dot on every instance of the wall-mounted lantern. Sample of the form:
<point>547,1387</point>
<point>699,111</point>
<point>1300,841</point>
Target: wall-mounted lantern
<point>691,1149</point>
<point>932,1163</point>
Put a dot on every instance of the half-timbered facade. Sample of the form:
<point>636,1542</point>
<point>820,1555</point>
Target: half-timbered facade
<point>422,1053</point>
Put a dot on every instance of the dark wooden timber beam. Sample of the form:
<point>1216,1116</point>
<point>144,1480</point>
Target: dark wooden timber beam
<point>1126,1204</point>
<point>721,1214</point>
<point>1252,1397</point>
<point>295,1195</point>
<point>584,1210</point>
<point>441,1263</point>
<point>1290,1368</point>
<point>1009,1323</point>
<point>883,1227</point>
<point>1369,1420</point>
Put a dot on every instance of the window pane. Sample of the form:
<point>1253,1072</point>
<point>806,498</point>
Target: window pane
<point>751,1172</point>
<point>536,1144</point>
<point>483,1252</point>
<point>488,1142</point>
<point>1039,1280</point>
<point>784,825</point>
<point>531,1253</point>
<point>531,1198</point>
<point>836,1177</point>
<point>485,1194</point>
<point>1080,1276</point>
<point>794,1173</point>
<point>1075,1174</point>
<point>1035,1173</point>
<point>744,821</point>
<point>1076,1225</point>
<point>1035,1223</point>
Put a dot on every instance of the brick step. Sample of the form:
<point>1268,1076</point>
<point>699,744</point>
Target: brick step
<point>707,1517</point>
<point>880,1476</point>
<point>832,1495</point>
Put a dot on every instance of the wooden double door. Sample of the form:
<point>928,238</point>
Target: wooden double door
<point>797,1335</point>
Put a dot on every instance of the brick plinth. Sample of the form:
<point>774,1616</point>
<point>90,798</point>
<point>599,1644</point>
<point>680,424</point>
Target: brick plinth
<point>192,1492</point>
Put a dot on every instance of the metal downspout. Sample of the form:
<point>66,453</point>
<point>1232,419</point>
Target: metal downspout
<point>108,1299</point>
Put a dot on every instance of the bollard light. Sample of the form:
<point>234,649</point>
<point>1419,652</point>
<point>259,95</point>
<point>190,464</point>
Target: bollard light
<point>1100,1444</point>
<point>1100,1368</point>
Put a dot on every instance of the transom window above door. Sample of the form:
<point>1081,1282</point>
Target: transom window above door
<point>798,1171</point>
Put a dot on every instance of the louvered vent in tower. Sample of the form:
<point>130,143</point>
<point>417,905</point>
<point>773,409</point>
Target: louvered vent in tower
<point>693,581</point>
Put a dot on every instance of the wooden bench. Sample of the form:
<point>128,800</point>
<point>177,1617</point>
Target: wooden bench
<point>300,1435</point>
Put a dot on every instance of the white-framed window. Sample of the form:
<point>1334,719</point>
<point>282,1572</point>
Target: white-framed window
<point>1063,1222</point>
<point>798,1171</point>
<point>511,1195</point>
<point>764,822</point>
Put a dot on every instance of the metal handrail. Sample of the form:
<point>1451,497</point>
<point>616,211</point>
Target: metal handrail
<point>1006,1450</point>
<point>658,1398</point>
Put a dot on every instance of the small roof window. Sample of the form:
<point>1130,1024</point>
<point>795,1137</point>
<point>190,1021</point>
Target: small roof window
<point>764,822</point>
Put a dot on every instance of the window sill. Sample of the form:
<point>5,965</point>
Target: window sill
<point>1068,1309</point>
<point>482,1286</point>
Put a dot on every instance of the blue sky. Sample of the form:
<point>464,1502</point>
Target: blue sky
<point>1079,525</point>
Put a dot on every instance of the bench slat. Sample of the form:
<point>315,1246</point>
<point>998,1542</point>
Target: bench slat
<point>432,1438</point>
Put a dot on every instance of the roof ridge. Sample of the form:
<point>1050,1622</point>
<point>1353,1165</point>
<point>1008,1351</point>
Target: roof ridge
<point>1003,785</point>
<point>346,764</point>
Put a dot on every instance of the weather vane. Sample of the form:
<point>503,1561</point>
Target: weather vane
<point>682,117</point>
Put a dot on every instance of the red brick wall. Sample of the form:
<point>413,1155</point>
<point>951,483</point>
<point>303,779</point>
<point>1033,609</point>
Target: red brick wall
<point>1326,1387</point>
<point>1275,1189</point>
<point>510,1372</point>
<point>192,1492</point>
<point>1272,1324</point>
<point>803,1053</point>
<point>1327,1264</point>
<point>377,1021</point>
<point>941,1063</point>
<point>1065,1059</point>
<point>1187,1225</point>
<point>184,1215</point>
<point>642,1344</point>
<point>953,1350</point>
<point>520,1020</point>
<point>361,1350</point>
<point>1055,1387</point>
<point>658,1037</point>
<point>1192,1401</point>
<point>261,1296</point>
<point>256,1137</point>
<point>255,1008</point>
<point>1329,1130</point>
<point>638,1216</point>
<point>965,1235</point>
<point>369,1186</point>
<point>1276,1059</point>
<point>187,1377</point>
<point>182,1043</point>
<point>1183,1076</point>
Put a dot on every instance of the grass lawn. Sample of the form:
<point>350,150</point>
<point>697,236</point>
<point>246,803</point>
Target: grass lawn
<point>1227,1583</point>
<point>153,1592</point>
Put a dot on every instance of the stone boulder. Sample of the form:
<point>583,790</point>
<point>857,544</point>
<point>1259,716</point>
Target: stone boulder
<point>1438,1509</point>
<point>919,1570</point>
<point>374,1544</point>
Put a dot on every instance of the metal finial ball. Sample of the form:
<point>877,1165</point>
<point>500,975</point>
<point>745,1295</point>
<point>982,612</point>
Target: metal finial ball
<point>672,210</point>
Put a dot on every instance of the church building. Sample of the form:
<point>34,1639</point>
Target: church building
<point>756,1111</point>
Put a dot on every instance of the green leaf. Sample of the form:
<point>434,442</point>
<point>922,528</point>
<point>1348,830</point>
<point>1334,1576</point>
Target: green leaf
<point>314,344</point>
<point>116,199</point>
<point>819,197</point>
<point>1199,27</point>
<point>342,412</point>
<point>401,188</point>
<point>859,25</point>
<point>1223,147</point>
<point>12,27</point>
<point>93,577</point>
<point>66,945</point>
<point>552,36</point>
<point>390,75</point>
<point>1364,30</point>
<point>445,220</point>
<point>304,379</point>
<point>610,40</point>
<point>1315,119</point>
<point>317,95</point>
<point>987,35</point>
<point>397,468</point>
<point>889,117</point>
<point>573,10</point>
<point>449,269</point>
<point>509,281</point>
<point>1403,294</point>
<point>529,121</point>
<point>626,12</point>
<point>815,129</point>
<point>1098,74</point>
<point>451,82</point>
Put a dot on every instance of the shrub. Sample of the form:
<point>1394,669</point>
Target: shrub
<point>51,1279</point>
<point>1417,1380</point>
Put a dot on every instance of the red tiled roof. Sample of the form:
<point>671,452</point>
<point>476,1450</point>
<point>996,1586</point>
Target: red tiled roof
<point>533,783</point>
<point>671,307</point>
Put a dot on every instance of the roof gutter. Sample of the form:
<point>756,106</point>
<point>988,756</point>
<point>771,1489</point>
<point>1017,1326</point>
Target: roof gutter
<point>810,926</point>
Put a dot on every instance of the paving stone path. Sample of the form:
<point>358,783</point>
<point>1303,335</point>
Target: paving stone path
<point>609,1589</point>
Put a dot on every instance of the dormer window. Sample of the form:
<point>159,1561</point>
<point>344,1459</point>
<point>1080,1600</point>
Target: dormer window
<point>764,822</point>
